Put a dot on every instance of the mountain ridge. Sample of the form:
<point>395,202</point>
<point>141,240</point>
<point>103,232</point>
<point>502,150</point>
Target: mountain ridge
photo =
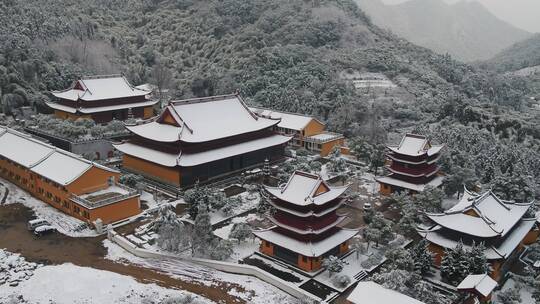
<point>466,29</point>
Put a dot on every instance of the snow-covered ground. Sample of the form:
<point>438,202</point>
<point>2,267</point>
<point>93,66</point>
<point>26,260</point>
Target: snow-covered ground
<point>255,291</point>
<point>64,223</point>
<point>249,202</point>
<point>525,291</point>
<point>72,284</point>
<point>14,268</point>
<point>242,249</point>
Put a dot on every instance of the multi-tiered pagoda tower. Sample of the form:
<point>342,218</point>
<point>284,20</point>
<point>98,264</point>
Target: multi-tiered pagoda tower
<point>306,223</point>
<point>412,165</point>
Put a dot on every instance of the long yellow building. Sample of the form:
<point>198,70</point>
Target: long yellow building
<point>66,181</point>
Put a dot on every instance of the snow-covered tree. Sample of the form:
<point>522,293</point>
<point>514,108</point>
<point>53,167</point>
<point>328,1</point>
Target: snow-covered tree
<point>333,264</point>
<point>399,258</point>
<point>477,259</point>
<point>240,232</point>
<point>458,263</point>
<point>202,235</point>
<point>337,165</point>
<point>379,230</point>
<point>509,296</point>
<point>410,283</point>
<point>460,177</point>
<point>341,280</point>
<point>172,233</point>
<point>220,249</point>
<point>423,258</point>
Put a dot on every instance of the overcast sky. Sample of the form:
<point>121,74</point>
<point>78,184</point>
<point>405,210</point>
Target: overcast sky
<point>524,14</point>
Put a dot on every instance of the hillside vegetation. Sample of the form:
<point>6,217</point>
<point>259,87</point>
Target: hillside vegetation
<point>282,54</point>
<point>521,55</point>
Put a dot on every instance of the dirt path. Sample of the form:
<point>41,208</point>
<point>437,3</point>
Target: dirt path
<point>89,252</point>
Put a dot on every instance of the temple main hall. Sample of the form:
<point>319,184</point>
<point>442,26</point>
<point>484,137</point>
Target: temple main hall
<point>102,99</point>
<point>201,139</point>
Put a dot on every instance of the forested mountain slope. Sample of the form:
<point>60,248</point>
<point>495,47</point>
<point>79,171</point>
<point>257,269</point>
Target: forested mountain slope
<point>465,30</point>
<point>521,55</point>
<point>285,54</point>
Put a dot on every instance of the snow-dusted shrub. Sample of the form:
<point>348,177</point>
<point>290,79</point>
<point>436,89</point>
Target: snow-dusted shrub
<point>222,249</point>
<point>341,280</point>
<point>510,296</point>
<point>333,264</point>
<point>240,232</point>
<point>372,260</point>
<point>187,299</point>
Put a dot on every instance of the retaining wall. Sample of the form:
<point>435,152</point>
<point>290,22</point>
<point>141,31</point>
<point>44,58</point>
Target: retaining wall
<point>219,265</point>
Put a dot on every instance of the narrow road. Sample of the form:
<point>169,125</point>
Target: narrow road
<point>57,249</point>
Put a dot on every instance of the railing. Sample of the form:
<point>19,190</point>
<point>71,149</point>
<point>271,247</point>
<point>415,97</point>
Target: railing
<point>333,136</point>
<point>105,201</point>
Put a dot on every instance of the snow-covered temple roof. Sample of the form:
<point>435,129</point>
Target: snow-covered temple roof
<point>48,161</point>
<point>289,121</point>
<point>500,248</point>
<point>204,119</point>
<point>435,182</point>
<point>193,159</point>
<point>369,292</point>
<point>305,188</point>
<point>309,249</point>
<point>482,215</point>
<point>481,283</point>
<point>415,145</point>
<point>90,110</point>
<point>92,88</point>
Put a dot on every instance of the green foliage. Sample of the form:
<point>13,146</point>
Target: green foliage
<point>459,262</point>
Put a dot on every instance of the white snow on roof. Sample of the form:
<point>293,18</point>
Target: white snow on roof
<point>61,107</point>
<point>188,160</point>
<point>193,159</point>
<point>101,87</point>
<point>372,293</point>
<point>412,144</point>
<point>310,249</point>
<point>301,190</point>
<point>494,250</point>
<point>21,149</point>
<point>61,168</point>
<point>482,283</point>
<point>217,117</point>
<point>157,131</point>
<point>436,182</point>
<point>290,121</point>
<point>494,216</point>
<point>48,161</point>
<point>149,154</point>
<point>89,110</point>
<point>415,145</point>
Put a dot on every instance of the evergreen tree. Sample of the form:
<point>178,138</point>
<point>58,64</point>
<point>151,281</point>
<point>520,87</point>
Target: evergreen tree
<point>172,233</point>
<point>202,236</point>
<point>477,259</point>
<point>423,258</point>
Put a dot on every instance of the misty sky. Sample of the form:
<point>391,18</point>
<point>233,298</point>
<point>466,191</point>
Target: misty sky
<point>524,14</point>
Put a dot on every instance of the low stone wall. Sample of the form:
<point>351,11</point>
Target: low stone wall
<point>219,265</point>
